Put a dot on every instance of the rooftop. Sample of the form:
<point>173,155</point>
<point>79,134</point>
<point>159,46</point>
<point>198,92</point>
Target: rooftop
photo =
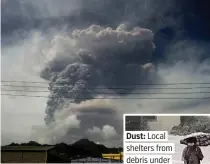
<point>26,148</point>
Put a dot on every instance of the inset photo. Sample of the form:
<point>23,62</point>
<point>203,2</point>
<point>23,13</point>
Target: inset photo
<point>189,133</point>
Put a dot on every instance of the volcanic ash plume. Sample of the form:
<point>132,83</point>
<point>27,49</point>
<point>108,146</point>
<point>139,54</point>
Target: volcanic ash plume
<point>92,61</point>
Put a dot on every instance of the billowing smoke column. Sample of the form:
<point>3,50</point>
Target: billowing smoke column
<point>96,60</point>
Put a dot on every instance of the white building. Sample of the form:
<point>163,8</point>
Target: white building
<point>164,123</point>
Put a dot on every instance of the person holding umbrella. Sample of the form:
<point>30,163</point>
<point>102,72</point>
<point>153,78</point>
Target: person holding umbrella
<point>192,154</point>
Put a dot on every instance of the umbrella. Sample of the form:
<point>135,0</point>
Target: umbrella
<point>203,139</point>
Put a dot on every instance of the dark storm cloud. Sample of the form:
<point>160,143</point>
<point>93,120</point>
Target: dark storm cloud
<point>24,14</point>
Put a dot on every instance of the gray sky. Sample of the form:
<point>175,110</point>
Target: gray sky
<point>23,61</point>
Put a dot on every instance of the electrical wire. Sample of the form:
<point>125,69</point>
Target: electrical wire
<point>205,87</point>
<point>82,98</point>
<point>136,93</point>
<point>7,81</point>
<point>132,86</point>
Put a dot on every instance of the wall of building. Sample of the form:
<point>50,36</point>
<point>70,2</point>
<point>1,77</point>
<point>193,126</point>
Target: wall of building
<point>158,123</point>
<point>133,123</point>
<point>20,157</point>
<point>164,123</point>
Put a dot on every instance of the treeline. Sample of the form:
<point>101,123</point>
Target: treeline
<point>83,147</point>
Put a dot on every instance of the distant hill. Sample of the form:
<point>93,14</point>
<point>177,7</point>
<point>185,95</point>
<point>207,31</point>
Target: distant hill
<point>192,124</point>
<point>83,147</point>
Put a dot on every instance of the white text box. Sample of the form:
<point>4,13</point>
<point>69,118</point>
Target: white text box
<point>149,148</point>
<point>150,136</point>
<point>155,159</point>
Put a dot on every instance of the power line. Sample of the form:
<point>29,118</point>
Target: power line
<point>22,86</point>
<point>205,87</point>
<point>136,93</point>
<point>123,98</point>
<point>176,83</point>
<point>6,81</point>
